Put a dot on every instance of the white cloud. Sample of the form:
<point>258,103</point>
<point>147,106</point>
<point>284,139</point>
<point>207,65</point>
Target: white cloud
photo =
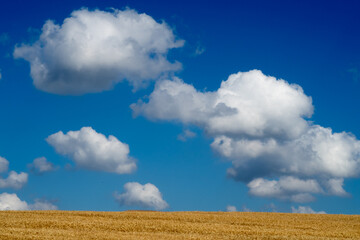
<point>259,124</point>
<point>93,50</point>
<point>185,135</point>
<point>147,196</point>
<point>199,50</point>
<point>318,154</point>
<point>4,165</point>
<point>0,74</point>
<point>247,104</point>
<point>305,209</point>
<point>13,202</point>
<point>41,165</point>
<point>14,180</point>
<point>230,208</point>
<point>94,151</point>
<point>286,188</point>
<point>335,187</point>
<point>40,204</point>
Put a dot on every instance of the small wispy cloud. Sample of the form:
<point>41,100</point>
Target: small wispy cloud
<point>305,209</point>
<point>246,209</point>
<point>4,165</point>
<point>4,38</point>
<point>40,166</point>
<point>230,208</point>
<point>185,135</point>
<point>199,50</point>
<point>269,208</point>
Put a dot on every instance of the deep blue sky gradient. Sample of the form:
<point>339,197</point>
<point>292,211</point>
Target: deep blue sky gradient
<point>312,43</point>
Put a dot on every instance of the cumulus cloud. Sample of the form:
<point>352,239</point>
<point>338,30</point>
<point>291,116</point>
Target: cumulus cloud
<point>230,208</point>
<point>247,104</point>
<point>260,124</point>
<point>93,50</point>
<point>318,151</point>
<point>4,165</point>
<point>41,165</point>
<point>147,196</point>
<point>94,151</point>
<point>318,156</point>
<point>14,180</point>
<point>13,202</point>
<point>305,209</point>
<point>290,188</point>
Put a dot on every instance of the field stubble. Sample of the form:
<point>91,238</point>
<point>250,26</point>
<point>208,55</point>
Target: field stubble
<point>175,225</point>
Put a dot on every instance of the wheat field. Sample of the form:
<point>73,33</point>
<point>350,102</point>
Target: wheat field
<point>175,225</point>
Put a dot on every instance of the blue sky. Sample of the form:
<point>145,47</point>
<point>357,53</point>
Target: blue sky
<point>279,143</point>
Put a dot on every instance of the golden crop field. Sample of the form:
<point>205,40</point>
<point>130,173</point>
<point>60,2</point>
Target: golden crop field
<point>175,225</point>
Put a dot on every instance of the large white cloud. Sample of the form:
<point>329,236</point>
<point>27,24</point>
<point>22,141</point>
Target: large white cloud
<point>318,151</point>
<point>94,151</point>
<point>260,124</point>
<point>41,165</point>
<point>147,196</point>
<point>93,50</point>
<point>13,202</point>
<point>305,209</point>
<point>247,104</point>
<point>318,155</point>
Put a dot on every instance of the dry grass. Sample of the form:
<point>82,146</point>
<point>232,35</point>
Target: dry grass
<point>175,225</point>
